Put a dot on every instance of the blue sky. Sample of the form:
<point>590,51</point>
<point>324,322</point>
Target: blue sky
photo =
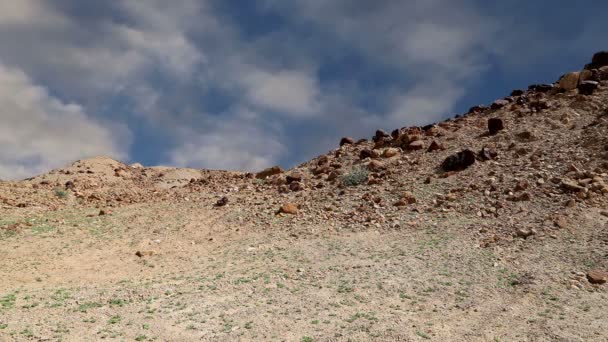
<point>249,84</point>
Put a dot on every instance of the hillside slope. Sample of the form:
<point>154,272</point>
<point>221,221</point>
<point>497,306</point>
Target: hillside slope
<point>487,226</point>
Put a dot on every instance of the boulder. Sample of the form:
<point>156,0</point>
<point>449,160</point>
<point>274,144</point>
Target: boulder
<point>271,171</point>
<point>569,81</point>
<point>495,125</point>
<point>390,152</point>
<point>435,146</point>
<point>294,177</point>
<point>416,145</point>
<point>599,60</point>
<point>499,104</point>
<point>347,141</point>
<point>587,87</point>
<point>459,161</point>
<point>597,277</point>
<point>368,154</point>
<point>288,208</point>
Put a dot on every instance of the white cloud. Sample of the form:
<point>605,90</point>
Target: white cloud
<point>39,132</point>
<point>28,12</point>
<point>236,143</point>
<point>292,93</point>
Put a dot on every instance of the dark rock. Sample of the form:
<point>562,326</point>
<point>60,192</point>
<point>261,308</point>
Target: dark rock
<point>435,146</point>
<point>599,60</point>
<point>495,125</point>
<point>296,186</point>
<point>487,153</point>
<point>347,141</point>
<point>499,104</point>
<point>380,134</point>
<point>477,109</point>
<point>368,154</point>
<point>517,92</point>
<point>587,87</point>
<point>294,177</point>
<point>221,202</point>
<point>361,141</point>
<point>539,105</point>
<point>271,171</point>
<point>459,161</point>
<point>541,88</point>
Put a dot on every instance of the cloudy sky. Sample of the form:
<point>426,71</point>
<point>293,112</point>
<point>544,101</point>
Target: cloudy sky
<point>249,84</point>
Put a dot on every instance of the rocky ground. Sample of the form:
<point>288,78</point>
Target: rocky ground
<point>490,226</point>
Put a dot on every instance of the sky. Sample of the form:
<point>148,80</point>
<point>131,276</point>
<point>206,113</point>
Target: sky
<point>244,85</point>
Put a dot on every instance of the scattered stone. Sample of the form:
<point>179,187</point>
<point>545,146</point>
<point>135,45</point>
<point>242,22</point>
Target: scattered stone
<point>142,254</point>
<point>102,212</point>
<point>495,125</point>
<point>380,134</point>
<point>294,177</point>
<point>408,197</point>
<point>571,186</point>
<point>416,145</point>
<point>390,152</point>
<point>459,161</point>
<point>541,88</point>
<point>288,208</point>
<point>347,141</point>
<point>498,104</point>
<point>271,171</point>
<point>477,109</point>
<point>435,146</point>
<point>221,202</point>
<point>487,153</point>
<point>524,233</point>
<point>296,186</point>
<point>597,277</point>
<point>375,165</point>
<point>368,154</point>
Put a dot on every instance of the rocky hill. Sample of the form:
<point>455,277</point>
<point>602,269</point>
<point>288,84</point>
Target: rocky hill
<point>527,173</point>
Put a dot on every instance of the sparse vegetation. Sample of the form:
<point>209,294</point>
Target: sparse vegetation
<point>356,176</point>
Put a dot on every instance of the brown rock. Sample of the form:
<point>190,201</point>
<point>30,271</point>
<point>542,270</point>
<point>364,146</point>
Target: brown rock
<point>390,152</point>
<point>368,154</point>
<point>597,277</point>
<point>347,141</point>
<point>375,165</point>
<point>435,146</point>
<point>296,186</point>
<point>569,81</point>
<point>271,171</point>
<point>325,169</point>
<point>294,177</point>
<point>416,145</point>
<point>408,197</point>
<point>288,208</point>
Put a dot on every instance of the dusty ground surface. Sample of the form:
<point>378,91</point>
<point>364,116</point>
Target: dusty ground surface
<point>378,242</point>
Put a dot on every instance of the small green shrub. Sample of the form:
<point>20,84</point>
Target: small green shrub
<point>60,193</point>
<point>356,176</point>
